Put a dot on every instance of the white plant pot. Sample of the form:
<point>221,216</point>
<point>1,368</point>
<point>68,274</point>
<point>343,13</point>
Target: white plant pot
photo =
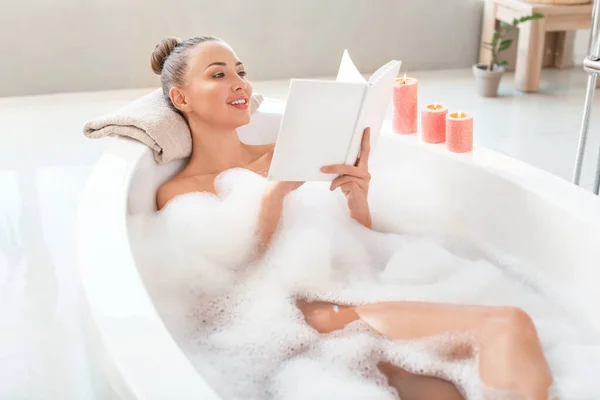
<point>487,82</point>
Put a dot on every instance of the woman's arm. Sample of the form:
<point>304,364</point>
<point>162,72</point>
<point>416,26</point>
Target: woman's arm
<point>271,204</point>
<point>271,208</point>
<point>354,182</point>
<point>359,209</point>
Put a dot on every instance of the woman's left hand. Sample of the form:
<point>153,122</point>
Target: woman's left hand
<point>354,181</point>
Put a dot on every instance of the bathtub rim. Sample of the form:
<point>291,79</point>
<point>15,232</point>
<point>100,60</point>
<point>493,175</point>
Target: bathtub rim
<point>129,370</point>
<point>103,240</point>
<point>123,156</point>
<point>574,199</point>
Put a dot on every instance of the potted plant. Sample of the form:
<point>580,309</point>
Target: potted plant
<point>488,76</point>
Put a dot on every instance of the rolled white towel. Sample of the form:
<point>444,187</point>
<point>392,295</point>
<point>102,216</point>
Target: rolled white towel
<point>151,121</point>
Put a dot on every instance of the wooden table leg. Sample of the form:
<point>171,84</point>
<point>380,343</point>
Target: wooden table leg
<point>487,30</point>
<point>530,55</point>
<point>564,49</point>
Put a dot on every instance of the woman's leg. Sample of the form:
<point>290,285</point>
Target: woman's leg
<point>418,387</point>
<point>328,317</point>
<point>510,354</point>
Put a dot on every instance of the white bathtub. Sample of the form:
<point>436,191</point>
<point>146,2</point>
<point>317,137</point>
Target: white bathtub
<point>527,213</point>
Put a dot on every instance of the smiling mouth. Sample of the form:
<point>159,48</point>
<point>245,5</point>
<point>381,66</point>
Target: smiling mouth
<point>238,102</point>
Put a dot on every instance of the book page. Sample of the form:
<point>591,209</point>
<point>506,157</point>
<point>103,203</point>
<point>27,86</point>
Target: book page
<point>316,129</point>
<point>375,105</point>
<point>348,72</point>
<point>383,71</point>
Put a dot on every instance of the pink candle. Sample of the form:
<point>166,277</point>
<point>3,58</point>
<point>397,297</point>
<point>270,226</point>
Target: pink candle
<point>433,123</point>
<point>404,119</point>
<point>459,132</point>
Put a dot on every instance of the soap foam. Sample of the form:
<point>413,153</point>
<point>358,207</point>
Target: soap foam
<point>234,313</point>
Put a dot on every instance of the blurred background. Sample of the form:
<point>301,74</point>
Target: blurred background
<point>51,46</point>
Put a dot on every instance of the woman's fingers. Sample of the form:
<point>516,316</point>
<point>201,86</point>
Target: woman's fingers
<point>351,170</point>
<point>350,187</point>
<point>353,177</point>
<point>345,180</point>
<point>361,168</point>
<point>365,149</point>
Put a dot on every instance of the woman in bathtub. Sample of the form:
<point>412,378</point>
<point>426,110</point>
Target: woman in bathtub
<point>204,81</point>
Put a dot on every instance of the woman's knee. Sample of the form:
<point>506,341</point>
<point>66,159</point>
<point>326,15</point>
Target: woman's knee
<point>511,355</point>
<point>509,321</point>
<point>516,317</point>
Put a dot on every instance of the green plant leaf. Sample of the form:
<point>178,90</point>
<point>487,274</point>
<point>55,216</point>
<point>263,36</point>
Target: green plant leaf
<point>497,36</point>
<point>505,44</point>
<point>526,18</point>
<point>505,25</point>
<point>503,62</point>
<point>531,17</point>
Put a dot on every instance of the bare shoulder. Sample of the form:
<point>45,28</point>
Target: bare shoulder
<point>263,157</point>
<point>205,183</point>
<point>264,149</point>
<point>181,185</point>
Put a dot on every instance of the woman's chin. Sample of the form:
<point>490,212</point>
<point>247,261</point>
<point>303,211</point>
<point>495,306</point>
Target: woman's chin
<point>241,119</point>
<point>232,120</point>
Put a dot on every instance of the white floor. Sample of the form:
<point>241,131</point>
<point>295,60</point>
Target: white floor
<point>44,162</point>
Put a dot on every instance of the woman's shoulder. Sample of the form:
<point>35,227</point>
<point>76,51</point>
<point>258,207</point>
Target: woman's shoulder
<point>263,155</point>
<point>263,149</point>
<point>183,184</point>
<point>186,183</point>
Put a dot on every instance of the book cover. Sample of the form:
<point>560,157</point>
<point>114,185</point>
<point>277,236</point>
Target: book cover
<point>323,121</point>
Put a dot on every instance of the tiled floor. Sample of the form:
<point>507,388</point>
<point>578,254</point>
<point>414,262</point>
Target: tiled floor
<point>44,161</point>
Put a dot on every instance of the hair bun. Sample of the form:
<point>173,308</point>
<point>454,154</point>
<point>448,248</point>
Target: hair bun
<point>161,52</point>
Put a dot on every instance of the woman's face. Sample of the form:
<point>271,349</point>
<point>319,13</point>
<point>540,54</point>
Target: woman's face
<point>216,90</point>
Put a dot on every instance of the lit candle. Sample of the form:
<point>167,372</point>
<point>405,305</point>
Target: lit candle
<point>404,119</point>
<point>459,132</point>
<point>433,123</point>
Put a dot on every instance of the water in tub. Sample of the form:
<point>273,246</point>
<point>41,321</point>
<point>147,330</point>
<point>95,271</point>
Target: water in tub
<point>235,317</point>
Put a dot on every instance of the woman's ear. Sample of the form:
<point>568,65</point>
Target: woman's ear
<point>179,100</point>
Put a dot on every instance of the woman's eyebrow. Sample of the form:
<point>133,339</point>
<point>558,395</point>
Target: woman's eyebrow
<point>222,64</point>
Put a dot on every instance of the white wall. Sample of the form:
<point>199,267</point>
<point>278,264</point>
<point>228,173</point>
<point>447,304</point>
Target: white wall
<point>76,45</point>
<point>580,47</point>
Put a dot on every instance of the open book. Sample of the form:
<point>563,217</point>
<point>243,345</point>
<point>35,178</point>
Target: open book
<point>323,121</point>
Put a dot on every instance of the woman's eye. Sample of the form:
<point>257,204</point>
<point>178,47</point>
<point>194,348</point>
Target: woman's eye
<point>221,74</point>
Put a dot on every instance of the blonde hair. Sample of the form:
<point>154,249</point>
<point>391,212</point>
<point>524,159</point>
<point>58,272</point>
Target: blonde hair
<point>170,60</point>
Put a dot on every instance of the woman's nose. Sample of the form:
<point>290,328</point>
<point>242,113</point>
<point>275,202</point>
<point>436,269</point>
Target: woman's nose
<point>239,84</point>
